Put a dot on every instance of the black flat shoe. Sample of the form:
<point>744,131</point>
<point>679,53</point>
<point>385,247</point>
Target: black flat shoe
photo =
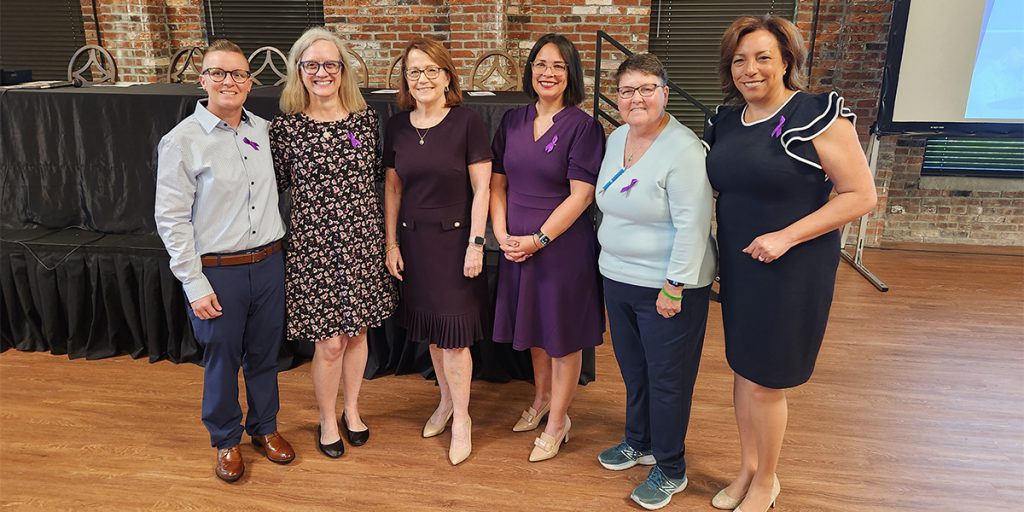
<point>333,450</point>
<point>355,438</point>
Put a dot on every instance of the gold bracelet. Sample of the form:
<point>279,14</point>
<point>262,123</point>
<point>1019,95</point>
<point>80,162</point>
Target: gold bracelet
<point>390,247</point>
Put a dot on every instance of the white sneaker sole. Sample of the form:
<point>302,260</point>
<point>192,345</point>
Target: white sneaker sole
<point>660,504</point>
<point>646,460</point>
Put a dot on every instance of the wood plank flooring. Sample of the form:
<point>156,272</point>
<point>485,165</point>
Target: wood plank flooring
<point>917,404</point>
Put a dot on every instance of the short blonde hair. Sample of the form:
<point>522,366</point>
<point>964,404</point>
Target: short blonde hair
<point>295,98</point>
<point>223,45</point>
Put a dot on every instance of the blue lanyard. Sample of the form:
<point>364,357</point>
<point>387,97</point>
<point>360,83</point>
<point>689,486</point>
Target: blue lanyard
<point>606,185</point>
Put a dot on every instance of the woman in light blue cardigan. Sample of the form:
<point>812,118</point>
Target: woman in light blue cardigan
<point>658,262</point>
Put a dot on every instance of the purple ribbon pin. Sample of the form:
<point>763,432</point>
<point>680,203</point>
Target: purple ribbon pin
<point>251,143</point>
<point>632,184</point>
<point>551,145</point>
<point>777,132</point>
<point>352,139</point>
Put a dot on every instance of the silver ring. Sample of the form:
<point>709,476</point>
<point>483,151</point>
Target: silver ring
<point>760,258</point>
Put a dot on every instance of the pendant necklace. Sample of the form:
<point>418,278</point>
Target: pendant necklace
<point>421,135</point>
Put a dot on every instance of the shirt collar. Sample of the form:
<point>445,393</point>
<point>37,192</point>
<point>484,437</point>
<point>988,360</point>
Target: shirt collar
<point>209,121</point>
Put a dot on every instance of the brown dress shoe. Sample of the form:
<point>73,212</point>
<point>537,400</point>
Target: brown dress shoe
<point>278,450</point>
<point>230,465</point>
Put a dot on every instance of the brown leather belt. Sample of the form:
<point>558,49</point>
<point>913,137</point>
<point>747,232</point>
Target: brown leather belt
<point>256,256</point>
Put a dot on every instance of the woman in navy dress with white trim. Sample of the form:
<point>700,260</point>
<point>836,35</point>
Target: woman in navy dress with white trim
<point>776,153</point>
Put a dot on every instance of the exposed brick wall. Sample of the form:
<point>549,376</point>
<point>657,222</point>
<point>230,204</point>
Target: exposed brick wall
<point>849,53</point>
<point>917,214</point>
<point>378,29</point>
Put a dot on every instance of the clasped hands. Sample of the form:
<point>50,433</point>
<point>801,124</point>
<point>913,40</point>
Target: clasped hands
<point>518,248</point>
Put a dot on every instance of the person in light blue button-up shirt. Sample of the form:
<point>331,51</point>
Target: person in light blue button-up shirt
<point>216,211</point>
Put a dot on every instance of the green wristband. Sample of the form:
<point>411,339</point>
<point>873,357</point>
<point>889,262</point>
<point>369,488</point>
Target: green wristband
<point>669,295</point>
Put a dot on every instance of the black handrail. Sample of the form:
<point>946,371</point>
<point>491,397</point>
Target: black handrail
<point>598,96</point>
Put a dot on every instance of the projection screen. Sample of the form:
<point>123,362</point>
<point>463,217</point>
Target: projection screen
<point>954,67</point>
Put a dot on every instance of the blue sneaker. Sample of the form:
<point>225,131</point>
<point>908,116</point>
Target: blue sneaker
<point>623,456</point>
<point>657,490</point>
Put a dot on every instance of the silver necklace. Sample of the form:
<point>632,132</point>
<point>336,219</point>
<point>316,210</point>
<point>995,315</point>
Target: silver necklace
<point>421,135</point>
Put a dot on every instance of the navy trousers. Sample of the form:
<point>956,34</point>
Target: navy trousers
<point>658,358</point>
<point>248,336</point>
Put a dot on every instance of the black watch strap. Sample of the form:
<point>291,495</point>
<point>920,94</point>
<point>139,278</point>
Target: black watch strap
<point>542,238</point>
<point>673,283</point>
<point>477,240</point>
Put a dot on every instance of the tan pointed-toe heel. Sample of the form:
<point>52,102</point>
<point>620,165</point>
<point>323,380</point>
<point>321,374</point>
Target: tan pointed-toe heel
<point>546,447</point>
<point>457,454</point>
<point>723,501</point>
<point>531,418</point>
<point>432,429</point>
<point>776,489</point>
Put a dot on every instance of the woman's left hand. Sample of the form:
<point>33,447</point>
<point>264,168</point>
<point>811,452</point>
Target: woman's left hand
<point>474,263</point>
<point>522,247</point>
<point>667,307</point>
<point>769,246</point>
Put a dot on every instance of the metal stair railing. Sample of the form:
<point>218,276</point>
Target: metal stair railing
<point>603,36</point>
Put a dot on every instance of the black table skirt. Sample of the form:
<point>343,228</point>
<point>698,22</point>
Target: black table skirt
<point>85,158</point>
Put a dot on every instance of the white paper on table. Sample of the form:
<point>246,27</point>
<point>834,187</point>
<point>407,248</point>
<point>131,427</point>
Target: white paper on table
<point>480,93</point>
<point>384,91</point>
<point>38,84</point>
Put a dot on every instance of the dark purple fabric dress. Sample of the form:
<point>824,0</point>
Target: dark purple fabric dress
<point>438,303</point>
<point>553,299</point>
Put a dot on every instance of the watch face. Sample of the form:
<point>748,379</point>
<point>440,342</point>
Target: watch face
<point>479,240</point>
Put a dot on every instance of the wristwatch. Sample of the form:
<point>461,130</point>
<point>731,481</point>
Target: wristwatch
<point>477,240</point>
<point>542,238</point>
<point>673,283</point>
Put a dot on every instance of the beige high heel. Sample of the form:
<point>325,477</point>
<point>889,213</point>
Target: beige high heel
<point>531,417</point>
<point>723,501</point>
<point>457,454</point>
<point>546,447</point>
<point>432,429</point>
<point>776,489</point>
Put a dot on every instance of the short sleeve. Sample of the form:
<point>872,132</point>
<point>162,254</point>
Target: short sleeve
<point>709,130</point>
<point>387,155</point>
<point>279,137</point>
<point>478,143</point>
<point>586,152</point>
<point>811,117</point>
<point>498,145</point>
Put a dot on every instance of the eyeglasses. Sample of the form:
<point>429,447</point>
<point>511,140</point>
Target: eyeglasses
<point>240,76</point>
<point>414,74</point>
<point>645,90</point>
<point>556,69</point>
<point>312,67</point>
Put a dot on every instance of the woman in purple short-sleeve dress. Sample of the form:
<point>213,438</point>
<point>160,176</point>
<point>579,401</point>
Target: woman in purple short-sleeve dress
<point>546,159</point>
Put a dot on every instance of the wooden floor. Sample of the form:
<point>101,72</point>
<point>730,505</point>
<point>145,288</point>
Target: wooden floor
<point>917,404</point>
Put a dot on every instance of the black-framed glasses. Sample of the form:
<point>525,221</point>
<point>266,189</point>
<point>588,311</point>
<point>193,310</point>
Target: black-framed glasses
<point>312,67</point>
<point>646,90</point>
<point>240,76</point>
<point>556,69</point>
<point>431,73</point>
